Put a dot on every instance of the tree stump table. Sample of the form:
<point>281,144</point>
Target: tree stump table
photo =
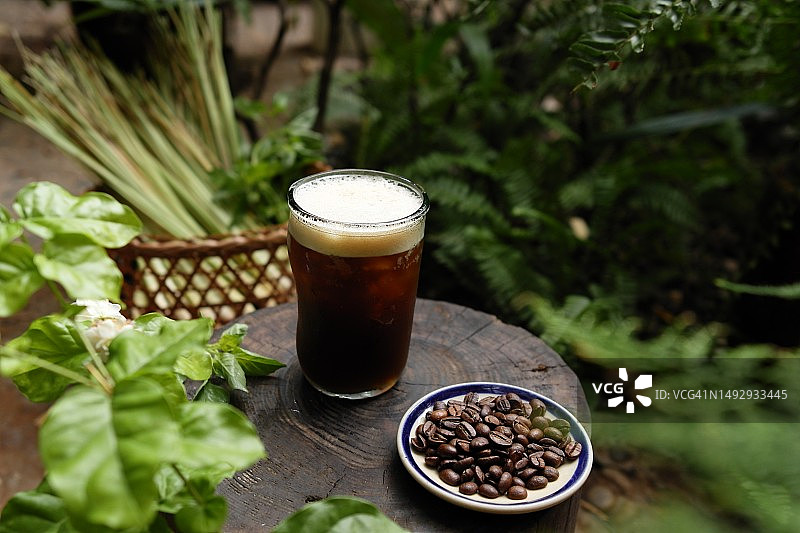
<point>320,446</point>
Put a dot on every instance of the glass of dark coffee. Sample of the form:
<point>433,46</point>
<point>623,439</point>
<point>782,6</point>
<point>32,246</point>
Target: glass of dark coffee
<point>355,243</point>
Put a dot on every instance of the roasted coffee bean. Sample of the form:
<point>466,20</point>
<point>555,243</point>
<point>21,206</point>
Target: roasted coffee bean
<point>462,446</point>
<point>465,430</point>
<point>516,456</point>
<point>467,475</point>
<point>518,481</point>
<point>483,429</point>
<point>498,439</point>
<point>546,441</point>
<point>488,491</point>
<point>480,475</point>
<point>451,477</point>
<point>527,473</point>
<point>538,408</point>
<point>516,492</point>
<point>521,429</point>
<point>550,473</point>
<point>504,482</point>
<point>466,462</point>
<point>432,461</point>
<point>437,438</point>
<point>533,447</point>
<point>469,488</point>
<point>536,434</point>
<point>437,415</point>
<point>507,431</point>
<point>522,439</point>
<point>536,462</point>
<point>446,450</point>
<point>446,464</point>
<point>536,482</point>
<point>488,461</point>
<point>446,433</point>
<point>455,410</point>
<point>503,405</point>
<point>552,459</point>
<point>521,464</point>
<point>494,472</point>
<point>485,411</point>
<point>573,450</point>
<point>516,447</point>
<point>491,420</point>
<point>557,451</point>
<point>471,397</point>
<point>478,443</point>
<point>438,405</point>
<point>419,443</point>
<point>511,417</point>
<point>450,422</point>
<point>486,400</point>
<point>471,414</point>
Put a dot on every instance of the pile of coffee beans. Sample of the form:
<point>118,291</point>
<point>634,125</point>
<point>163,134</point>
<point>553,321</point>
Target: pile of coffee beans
<point>494,445</point>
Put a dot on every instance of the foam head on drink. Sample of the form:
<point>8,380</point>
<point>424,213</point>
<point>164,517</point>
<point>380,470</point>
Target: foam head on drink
<point>355,239</point>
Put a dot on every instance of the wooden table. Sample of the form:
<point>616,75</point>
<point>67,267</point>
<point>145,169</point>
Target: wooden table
<point>320,446</point>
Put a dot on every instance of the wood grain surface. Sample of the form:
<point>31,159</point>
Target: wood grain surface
<point>320,446</point>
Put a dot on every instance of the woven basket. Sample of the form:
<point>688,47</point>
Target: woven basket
<point>219,277</point>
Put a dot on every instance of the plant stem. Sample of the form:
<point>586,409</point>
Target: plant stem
<point>105,379</point>
<point>189,486</point>
<point>47,365</point>
<point>334,29</point>
<point>107,387</point>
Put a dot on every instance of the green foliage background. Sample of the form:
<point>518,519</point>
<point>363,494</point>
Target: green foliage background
<point>594,168</point>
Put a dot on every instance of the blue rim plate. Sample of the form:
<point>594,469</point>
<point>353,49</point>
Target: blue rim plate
<point>572,474</point>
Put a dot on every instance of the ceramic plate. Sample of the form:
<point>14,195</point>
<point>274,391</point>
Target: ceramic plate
<point>572,474</point>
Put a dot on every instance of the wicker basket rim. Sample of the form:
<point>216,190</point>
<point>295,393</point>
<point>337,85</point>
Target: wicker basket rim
<point>265,234</point>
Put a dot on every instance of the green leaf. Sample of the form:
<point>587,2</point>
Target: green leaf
<point>54,339</point>
<point>9,228</point>
<point>195,365</point>
<point>80,266</point>
<point>136,353</point>
<point>207,431</point>
<point>226,366</point>
<point>251,363</point>
<point>204,517</point>
<point>212,393</point>
<point>232,336</point>
<point>100,448</point>
<point>384,18</point>
<point>47,210</point>
<point>151,322</point>
<point>256,365</point>
<point>477,43</point>
<point>35,510</point>
<point>789,292</point>
<point>19,278</point>
<point>338,514</point>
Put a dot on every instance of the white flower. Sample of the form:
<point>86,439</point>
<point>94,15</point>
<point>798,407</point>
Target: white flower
<point>103,322</point>
<point>98,309</point>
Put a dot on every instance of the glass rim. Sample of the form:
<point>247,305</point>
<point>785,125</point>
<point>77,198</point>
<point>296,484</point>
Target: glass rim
<point>309,217</point>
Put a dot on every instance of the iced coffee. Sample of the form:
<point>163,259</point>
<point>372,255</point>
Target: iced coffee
<point>355,243</point>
